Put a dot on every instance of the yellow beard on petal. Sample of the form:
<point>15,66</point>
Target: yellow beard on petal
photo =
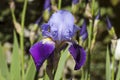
<point>47,40</point>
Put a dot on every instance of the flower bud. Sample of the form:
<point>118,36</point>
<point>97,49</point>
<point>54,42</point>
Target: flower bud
<point>47,7</point>
<point>110,28</point>
<point>75,6</point>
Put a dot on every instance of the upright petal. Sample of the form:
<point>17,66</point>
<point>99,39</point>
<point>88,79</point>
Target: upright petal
<point>62,25</point>
<point>45,30</point>
<point>41,51</point>
<point>78,54</point>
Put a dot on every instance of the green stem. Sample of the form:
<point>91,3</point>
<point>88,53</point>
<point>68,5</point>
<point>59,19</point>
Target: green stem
<point>90,29</point>
<point>13,15</point>
<point>93,4</point>
<point>118,72</point>
<point>113,62</point>
<point>89,63</point>
<point>113,68</point>
<point>59,4</point>
<point>90,34</point>
<point>22,36</point>
<point>89,48</point>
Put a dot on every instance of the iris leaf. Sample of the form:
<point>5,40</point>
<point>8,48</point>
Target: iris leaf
<point>1,77</point>
<point>108,72</point>
<point>3,64</point>
<point>118,73</point>
<point>15,63</point>
<point>63,58</point>
<point>30,74</point>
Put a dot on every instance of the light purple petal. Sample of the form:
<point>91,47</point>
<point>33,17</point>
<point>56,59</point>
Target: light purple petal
<point>78,54</point>
<point>61,25</point>
<point>40,51</point>
<point>45,30</point>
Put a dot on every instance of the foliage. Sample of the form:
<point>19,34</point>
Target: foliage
<point>21,66</point>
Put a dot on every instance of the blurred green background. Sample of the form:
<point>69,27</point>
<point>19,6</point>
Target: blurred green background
<point>109,8</point>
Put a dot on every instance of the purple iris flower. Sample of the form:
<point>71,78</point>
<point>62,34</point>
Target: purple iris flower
<point>58,31</point>
<point>109,25</point>
<point>47,4</point>
<point>83,31</point>
<point>75,1</point>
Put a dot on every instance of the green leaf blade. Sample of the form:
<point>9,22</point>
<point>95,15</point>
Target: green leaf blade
<point>3,64</point>
<point>61,64</point>
<point>108,72</point>
<point>118,73</point>
<point>31,71</point>
<point>15,63</point>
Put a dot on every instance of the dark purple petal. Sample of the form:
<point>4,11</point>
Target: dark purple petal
<point>40,51</point>
<point>75,1</point>
<point>83,31</point>
<point>109,25</point>
<point>47,4</point>
<point>78,54</point>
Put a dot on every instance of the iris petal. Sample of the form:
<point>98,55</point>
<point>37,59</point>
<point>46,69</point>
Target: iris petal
<point>41,51</point>
<point>61,25</point>
<point>78,54</point>
<point>45,30</point>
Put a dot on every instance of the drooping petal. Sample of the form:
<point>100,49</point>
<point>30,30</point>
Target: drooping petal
<point>40,51</point>
<point>78,54</point>
<point>109,25</point>
<point>83,31</point>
